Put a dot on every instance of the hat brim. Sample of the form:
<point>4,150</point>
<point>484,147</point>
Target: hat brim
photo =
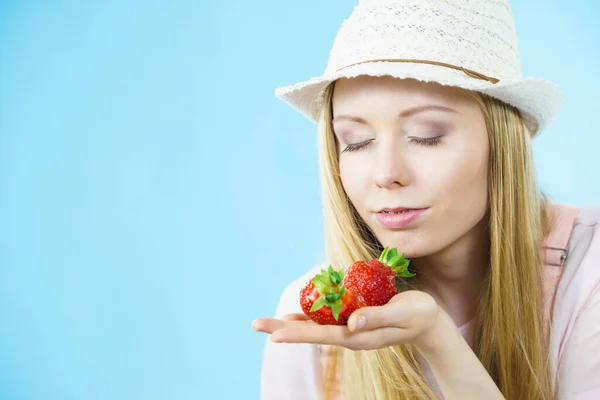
<point>538,100</point>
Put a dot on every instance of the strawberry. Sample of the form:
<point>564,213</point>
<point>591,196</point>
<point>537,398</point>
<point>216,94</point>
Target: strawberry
<point>326,301</point>
<point>375,280</point>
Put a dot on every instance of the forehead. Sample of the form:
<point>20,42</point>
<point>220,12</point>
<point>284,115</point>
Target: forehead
<point>356,92</point>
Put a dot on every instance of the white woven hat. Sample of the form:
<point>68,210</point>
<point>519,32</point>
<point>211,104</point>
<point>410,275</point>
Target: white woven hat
<point>470,44</point>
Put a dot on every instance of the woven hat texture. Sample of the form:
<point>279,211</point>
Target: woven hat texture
<point>470,44</point>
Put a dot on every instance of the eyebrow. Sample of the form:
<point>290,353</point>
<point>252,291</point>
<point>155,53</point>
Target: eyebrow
<point>403,114</point>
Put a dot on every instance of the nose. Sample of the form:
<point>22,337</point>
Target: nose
<point>390,167</point>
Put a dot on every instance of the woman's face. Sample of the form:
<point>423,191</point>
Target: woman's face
<point>406,144</point>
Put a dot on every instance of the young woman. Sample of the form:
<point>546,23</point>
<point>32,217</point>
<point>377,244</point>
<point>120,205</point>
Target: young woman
<point>425,127</point>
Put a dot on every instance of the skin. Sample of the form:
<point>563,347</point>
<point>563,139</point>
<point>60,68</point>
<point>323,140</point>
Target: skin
<point>397,169</point>
<point>447,244</point>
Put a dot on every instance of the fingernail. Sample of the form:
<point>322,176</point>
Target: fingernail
<point>360,323</point>
<point>255,325</point>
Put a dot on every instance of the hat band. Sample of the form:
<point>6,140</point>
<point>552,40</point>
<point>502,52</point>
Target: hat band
<point>472,74</point>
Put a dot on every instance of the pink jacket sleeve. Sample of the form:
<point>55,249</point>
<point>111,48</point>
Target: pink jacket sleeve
<point>290,371</point>
<point>576,327</point>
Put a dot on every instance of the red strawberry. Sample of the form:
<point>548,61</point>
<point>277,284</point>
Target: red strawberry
<point>325,301</point>
<point>375,280</point>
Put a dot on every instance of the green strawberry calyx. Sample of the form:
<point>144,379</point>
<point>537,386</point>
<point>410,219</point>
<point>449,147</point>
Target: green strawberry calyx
<point>329,285</point>
<point>396,262</point>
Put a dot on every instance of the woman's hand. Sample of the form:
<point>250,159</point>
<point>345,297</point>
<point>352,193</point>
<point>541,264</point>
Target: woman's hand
<point>411,317</point>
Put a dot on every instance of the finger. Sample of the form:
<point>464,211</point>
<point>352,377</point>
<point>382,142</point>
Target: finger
<point>340,336</point>
<point>311,333</point>
<point>295,317</point>
<point>267,325</point>
<point>369,318</point>
<point>412,309</point>
<point>376,339</point>
<point>270,325</point>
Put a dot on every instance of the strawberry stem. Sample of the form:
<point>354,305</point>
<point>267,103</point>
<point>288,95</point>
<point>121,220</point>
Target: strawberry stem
<point>329,285</point>
<point>396,262</point>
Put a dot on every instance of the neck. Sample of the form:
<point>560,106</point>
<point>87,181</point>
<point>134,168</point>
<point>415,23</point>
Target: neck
<point>454,275</point>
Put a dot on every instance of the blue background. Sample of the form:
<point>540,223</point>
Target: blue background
<point>155,197</point>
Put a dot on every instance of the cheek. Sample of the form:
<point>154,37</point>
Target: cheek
<point>455,184</point>
<point>355,179</point>
<point>461,180</point>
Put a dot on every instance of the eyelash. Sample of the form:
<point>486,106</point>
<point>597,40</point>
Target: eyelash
<point>427,142</point>
<point>357,146</point>
<point>421,142</point>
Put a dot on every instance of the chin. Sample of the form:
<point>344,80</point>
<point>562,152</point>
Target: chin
<point>407,243</point>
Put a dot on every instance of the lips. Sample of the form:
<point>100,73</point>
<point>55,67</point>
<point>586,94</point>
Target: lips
<point>399,217</point>
<point>398,210</point>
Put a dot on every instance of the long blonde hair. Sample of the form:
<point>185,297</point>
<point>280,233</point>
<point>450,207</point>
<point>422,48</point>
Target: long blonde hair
<point>509,325</point>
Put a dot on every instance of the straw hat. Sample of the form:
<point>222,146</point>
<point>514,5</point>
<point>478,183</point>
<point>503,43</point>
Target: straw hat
<point>470,44</point>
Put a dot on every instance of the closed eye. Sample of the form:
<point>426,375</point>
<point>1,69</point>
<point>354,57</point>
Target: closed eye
<point>416,140</point>
<point>357,146</point>
<point>426,141</point>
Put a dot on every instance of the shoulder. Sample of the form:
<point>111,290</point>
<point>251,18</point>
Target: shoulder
<point>582,268</point>
<point>582,265</point>
<point>291,370</point>
<point>577,313</point>
<point>574,228</point>
<point>581,274</point>
<point>584,243</point>
<point>588,216</point>
<point>289,302</point>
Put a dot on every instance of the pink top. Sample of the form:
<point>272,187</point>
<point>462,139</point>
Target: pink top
<point>293,371</point>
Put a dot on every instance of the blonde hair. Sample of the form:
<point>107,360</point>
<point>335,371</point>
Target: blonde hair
<point>509,322</point>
